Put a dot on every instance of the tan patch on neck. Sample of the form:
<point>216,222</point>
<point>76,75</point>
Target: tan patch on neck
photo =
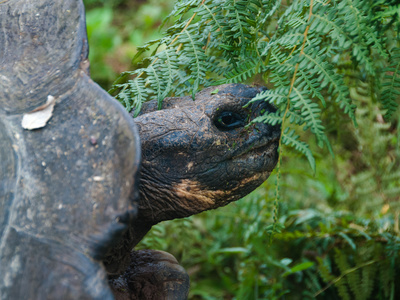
<point>195,197</point>
<point>255,177</point>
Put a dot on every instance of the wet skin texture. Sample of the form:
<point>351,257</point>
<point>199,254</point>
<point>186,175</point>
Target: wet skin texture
<point>196,156</point>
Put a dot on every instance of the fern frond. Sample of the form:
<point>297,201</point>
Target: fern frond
<point>330,25</point>
<point>271,118</point>
<point>368,280</point>
<point>311,113</point>
<point>240,72</point>
<point>133,94</point>
<point>239,14</point>
<point>312,84</point>
<point>125,99</point>
<point>276,96</point>
<point>139,92</point>
<point>295,117</point>
<point>277,118</point>
<point>354,278</point>
<point>390,95</point>
<point>341,285</point>
<point>324,271</point>
<point>145,48</point>
<point>269,9</point>
<point>195,56</point>
<point>169,70</point>
<point>315,63</point>
<point>155,81</point>
<point>289,40</point>
<point>212,13</point>
<point>292,140</point>
<point>180,8</point>
<point>386,278</point>
<point>294,11</point>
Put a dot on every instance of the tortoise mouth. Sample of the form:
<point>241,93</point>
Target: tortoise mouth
<point>260,157</point>
<point>258,149</point>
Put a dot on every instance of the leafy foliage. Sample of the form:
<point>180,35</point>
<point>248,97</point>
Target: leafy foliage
<point>297,48</point>
<point>391,83</point>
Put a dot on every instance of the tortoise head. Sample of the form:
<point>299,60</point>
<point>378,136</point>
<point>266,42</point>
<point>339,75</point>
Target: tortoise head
<point>203,154</point>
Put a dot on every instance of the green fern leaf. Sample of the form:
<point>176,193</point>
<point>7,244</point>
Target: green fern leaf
<point>139,93</point>
<point>312,85</point>
<point>155,81</point>
<point>368,280</point>
<point>240,72</point>
<point>391,84</point>
<point>311,114</point>
<point>329,24</point>
<point>343,265</point>
<point>195,56</point>
<point>145,48</point>
<point>276,96</point>
<point>314,62</point>
<point>125,99</point>
<point>324,270</point>
<point>169,71</point>
<point>292,140</point>
<point>386,278</point>
<point>212,13</point>
<point>269,9</point>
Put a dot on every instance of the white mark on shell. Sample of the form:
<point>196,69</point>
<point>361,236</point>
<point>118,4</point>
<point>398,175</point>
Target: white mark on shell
<point>39,117</point>
<point>98,178</point>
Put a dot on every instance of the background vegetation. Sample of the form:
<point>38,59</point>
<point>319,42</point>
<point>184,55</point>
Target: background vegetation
<point>337,235</point>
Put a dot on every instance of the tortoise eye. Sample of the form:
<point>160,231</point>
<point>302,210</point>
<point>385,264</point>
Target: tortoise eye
<point>228,120</point>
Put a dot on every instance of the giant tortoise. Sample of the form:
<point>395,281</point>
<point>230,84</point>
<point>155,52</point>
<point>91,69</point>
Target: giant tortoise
<point>72,206</point>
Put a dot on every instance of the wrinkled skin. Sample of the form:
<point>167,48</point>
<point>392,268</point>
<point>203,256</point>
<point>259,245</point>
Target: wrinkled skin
<point>196,156</point>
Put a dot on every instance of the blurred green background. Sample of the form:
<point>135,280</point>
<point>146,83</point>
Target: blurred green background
<point>115,29</point>
<point>341,226</point>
